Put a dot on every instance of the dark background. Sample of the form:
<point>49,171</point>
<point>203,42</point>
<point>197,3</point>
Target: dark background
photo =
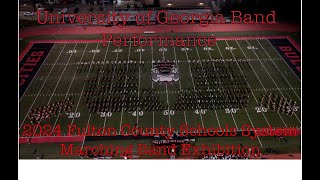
<point>286,10</point>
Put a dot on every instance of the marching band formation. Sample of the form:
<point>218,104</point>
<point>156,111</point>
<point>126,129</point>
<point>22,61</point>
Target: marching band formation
<point>218,87</point>
<point>115,87</point>
<point>279,104</point>
<point>45,112</point>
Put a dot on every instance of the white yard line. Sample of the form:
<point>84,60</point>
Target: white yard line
<point>86,131</point>
<point>169,116</point>
<point>80,97</point>
<point>271,78</point>
<point>193,85</point>
<point>152,86</point>
<point>284,61</point>
<point>37,73</point>
<point>74,75</point>
<point>42,87</point>
<point>97,84</point>
<point>64,64</point>
<point>249,87</point>
<point>214,110</point>
<point>55,88</point>
<point>175,57</point>
<point>110,90</point>
<point>253,126</point>
<point>195,90</point>
<point>222,86</point>
<point>84,84</point>
<point>91,113</point>
<point>125,83</point>
<point>168,106</point>
<point>75,63</point>
<point>279,70</point>
<point>207,82</point>
<point>163,58</point>
<point>139,89</point>
<point>253,96</point>
<point>217,118</point>
<point>104,60</point>
<point>259,79</point>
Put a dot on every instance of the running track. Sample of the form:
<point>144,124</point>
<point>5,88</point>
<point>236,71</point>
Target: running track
<point>75,29</point>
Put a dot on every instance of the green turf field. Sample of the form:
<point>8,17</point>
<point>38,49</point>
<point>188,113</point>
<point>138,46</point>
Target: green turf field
<point>264,68</point>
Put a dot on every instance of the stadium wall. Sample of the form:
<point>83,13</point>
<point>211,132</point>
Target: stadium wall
<point>148,2</point>
<point>183,3</point>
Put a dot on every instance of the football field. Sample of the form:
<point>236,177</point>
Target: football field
<point>112,86</point>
